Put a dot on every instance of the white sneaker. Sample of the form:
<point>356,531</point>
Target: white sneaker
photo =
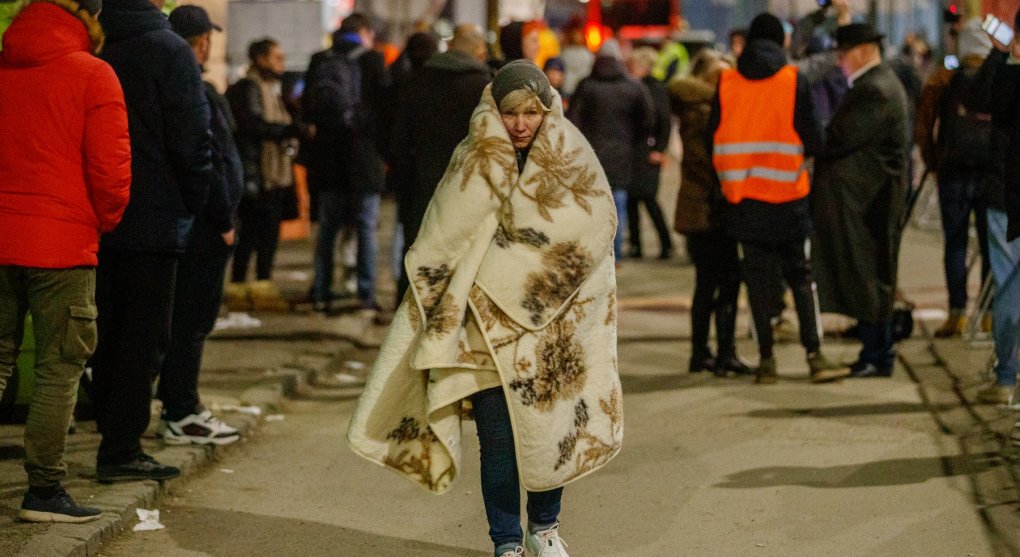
<point>201,429</point>
<point>516,552</point>
<point>546,543</point>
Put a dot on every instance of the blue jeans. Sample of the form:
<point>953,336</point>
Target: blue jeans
<point>1004,258</point>
<point>335,209</point>
<point>620,200</point>
<point>877,342</point>
<point>957,199</point>
<point>501,489</point>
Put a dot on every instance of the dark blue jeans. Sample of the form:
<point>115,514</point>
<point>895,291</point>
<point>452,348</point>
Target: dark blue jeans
<point>501,489</point>
<point>336,209</point>
<point>958,198</point>
<point>877,343</point>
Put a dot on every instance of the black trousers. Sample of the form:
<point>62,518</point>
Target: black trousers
<point>654,212</point>
<point>197,299</point>
<point>716,286</point>
<point>765,266</point>
<point>258,233</point>
<point>135,298</point>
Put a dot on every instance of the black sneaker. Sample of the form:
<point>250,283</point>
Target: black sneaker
<point>59,508</point>
<point>142,468</point>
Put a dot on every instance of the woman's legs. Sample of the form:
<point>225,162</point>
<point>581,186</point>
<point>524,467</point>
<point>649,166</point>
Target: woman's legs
<point>500,485</point>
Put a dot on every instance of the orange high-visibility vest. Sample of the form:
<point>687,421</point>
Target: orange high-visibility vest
<point>757,153</point>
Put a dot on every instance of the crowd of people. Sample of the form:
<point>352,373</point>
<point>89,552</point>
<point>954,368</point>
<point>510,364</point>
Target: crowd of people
<point>128,188</point>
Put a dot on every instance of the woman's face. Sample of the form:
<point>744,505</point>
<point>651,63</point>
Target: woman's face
<point>522,123</point>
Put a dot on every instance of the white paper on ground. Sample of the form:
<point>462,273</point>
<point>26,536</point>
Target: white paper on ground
<point>275,418</point>
<point>237,320</point>
<point>147,520</point>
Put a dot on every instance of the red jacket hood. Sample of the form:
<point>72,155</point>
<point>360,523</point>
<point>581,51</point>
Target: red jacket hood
<point>48,29</point>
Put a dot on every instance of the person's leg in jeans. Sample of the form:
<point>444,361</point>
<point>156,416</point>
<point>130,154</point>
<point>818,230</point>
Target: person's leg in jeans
<point>620,200</point>
<point>797,273</point>
<point>876,345</point>
<point>330,223</point>
<point>197,297</point>
<point>706,282</point>
<point>268,240</point>
<point>500,483</point>
<point>759,266</point>
<point>63,307</point>
<point>368,221</point>
<point>247,236</point>
<point>1004,258</point>
<point>135,296</point>
<point>634,225</point>
<point>954,207</point>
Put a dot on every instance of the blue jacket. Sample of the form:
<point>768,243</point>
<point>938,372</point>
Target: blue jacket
<point>168,119</point>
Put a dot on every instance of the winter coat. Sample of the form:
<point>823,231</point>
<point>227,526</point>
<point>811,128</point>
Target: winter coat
<point>758,221</point>
<point>253,130</point>
<point>615,114</point>
<point>512,286</point>
<point>1006,119</point>
<point>168,115</point>
<point>228,173</point>
<point>991,93</point>
<point>859,197</point>
<point>646,175</point>
<point>432,119</point>
<point>339,160</point>
<point>699,195</point>
<point>65,154</point>
<point>930,137</point>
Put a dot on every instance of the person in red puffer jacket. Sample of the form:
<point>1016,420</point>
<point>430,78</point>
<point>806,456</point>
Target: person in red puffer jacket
<point>65,177</point>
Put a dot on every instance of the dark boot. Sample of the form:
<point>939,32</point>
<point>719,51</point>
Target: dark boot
<point>731,363</point>
<point>702,361</point>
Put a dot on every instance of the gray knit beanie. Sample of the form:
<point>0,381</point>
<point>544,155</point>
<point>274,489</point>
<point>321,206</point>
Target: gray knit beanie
<point>522,74</point>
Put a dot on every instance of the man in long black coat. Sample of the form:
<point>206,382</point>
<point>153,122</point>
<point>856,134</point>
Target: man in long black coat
<point>859,198</point>
<point>433,114</point>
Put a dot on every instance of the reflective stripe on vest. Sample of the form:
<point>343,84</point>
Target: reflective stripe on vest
<point>757,153</point>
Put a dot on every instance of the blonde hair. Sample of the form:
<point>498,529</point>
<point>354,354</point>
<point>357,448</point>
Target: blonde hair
<point>521,97</point>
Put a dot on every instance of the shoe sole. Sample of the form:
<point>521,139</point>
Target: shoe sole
<point>40,516</point>
<point>135,478</point>
<point>219,441</point>
<point>830,375</point>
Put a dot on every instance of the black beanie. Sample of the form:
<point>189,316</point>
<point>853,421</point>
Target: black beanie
<point>91,6</point>
<point>767,27</point>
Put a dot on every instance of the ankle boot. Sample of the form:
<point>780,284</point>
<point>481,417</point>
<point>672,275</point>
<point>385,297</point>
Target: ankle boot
<point>730,362</point>
<point>702,361</point>
<point>235,296</point>
<point>266,297</point>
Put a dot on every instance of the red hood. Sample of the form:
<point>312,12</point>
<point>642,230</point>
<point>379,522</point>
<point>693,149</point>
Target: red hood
<point>42,32</point>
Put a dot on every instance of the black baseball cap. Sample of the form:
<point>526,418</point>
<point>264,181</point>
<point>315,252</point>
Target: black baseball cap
<point>191,21</point>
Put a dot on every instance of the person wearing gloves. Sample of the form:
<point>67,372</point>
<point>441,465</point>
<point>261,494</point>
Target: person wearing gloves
<point>511,313</point>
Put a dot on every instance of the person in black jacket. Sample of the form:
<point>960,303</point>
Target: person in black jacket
<point>266,140</point>
<point>199,290</point>
<point>345,163</point>
<point>615,113</point>
<point>171,166</point>
<point>433,114</point>
<point>649,158</point>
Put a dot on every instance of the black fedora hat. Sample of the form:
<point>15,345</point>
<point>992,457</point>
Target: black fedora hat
<point>849,36</point>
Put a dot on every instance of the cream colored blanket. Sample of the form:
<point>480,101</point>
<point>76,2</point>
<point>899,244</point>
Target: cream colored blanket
<point>513,285</point>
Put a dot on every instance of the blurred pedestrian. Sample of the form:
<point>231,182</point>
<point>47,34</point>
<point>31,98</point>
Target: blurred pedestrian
<point>267,142</point>
<point>615,114</point>
<point>554,72</point>
<point>649,158</point>
<point>738,40</point>
<point>347,82</point>
<point>65,174</point>
<point>764,129</point>
<point>519,231</point>
<point>861,181</point>
<point>713,252</point>
<point>577,59</point>
<point>955,143</point>
<point>432,119</point>
<point>201,270</point>
<point>171,167</point>
<point>520,40</point>
<point>996,90</point>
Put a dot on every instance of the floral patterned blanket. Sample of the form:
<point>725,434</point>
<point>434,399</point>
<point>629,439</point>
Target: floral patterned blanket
<point>512,284</point>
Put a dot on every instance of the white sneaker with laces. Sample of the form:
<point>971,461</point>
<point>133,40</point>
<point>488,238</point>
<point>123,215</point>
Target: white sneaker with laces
<point>546,543</point>
<point>201,429</point>
<point>516,552</point>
